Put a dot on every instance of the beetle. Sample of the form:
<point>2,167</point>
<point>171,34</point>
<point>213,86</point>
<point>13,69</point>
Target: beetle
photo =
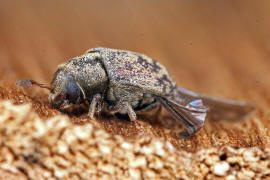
<point>127,83</point>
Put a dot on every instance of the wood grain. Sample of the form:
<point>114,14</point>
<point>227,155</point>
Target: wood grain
<point>219,48</point>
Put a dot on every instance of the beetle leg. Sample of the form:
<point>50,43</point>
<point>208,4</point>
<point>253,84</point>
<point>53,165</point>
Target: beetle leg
<point>124,106</point>
<point>93,105</point>
<point>131,113</point>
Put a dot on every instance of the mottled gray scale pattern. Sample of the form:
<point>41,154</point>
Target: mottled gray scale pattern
<point>57,79</point>
<point>155,66</point>
<point>88,71</point>
<point>128,68</point>
<point>165,82</point>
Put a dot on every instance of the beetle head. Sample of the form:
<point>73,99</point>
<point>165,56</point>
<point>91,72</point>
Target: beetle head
<point>65,92</point>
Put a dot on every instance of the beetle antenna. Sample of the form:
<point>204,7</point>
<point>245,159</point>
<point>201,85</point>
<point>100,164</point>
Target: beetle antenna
<point>30,82</point>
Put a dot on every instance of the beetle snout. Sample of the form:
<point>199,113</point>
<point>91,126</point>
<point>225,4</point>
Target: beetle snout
<point>55,101</point>
<point>60,104</point>
<point>55,105</point>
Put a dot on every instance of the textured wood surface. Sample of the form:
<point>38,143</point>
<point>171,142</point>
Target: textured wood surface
<point>213,47</point>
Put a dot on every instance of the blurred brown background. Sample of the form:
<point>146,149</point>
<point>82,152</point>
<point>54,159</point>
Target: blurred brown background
<point>216,47</point>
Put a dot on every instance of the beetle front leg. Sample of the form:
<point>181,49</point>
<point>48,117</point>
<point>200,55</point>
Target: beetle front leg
<point>93,105</point>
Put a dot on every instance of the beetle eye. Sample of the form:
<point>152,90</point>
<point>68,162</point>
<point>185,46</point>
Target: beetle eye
<point>73,92</point>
